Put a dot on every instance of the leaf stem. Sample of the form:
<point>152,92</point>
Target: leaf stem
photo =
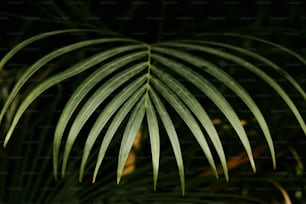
<point>148,75</point>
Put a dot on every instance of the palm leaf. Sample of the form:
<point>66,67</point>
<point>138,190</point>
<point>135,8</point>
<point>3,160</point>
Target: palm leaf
<point>93,102</point>
<point>262,59</point>
<point>170,129</point>
<point>269,80</point>
<point>28,41</point>
<point>229,82</point>
<point>72,71</point>
<point>81,93</point>
<point>285,49</point>
<point>108,111</point>
<point>143,77</point>
<point>198,111</point>
<point>154,138</point>
<point>44,60</point>
<point>187,117</point>
<point>129,135</point>
<point>121,114</point>
<point>214,94</point>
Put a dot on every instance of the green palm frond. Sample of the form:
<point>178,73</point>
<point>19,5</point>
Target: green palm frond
<point>135,83</point>
<point>268,79</point>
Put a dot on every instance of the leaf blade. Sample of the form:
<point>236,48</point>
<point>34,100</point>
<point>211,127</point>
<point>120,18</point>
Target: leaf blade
<point>35,38</point>
<point>214,94</point>
<point>80,94</point>
<point>195,107</point>
<point>270,81</point>
<point>231,83</point>
<point>72,71</point>
<point>154,138</point>
<point>90,106</point>
<point>43,61</point>
<point>185,114</point>
<point>122,113</point>
<point>106,114</point>
<point>170,129</point>
<point>261,59</point>
<point>129,136</point>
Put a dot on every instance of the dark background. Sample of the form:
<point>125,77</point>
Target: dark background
<point>282,22</point>
<point>153,21</point>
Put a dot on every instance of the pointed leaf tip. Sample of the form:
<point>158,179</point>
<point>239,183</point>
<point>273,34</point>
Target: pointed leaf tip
<point>118,179</point>
<point>5,142</point>
<point>226,176</point>
<point>55,176</point>
<point>274,165</point>
<point>94,178</point>
<point>254,168</point>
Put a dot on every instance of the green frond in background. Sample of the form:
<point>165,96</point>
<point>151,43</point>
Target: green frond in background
<point>136,84</point>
